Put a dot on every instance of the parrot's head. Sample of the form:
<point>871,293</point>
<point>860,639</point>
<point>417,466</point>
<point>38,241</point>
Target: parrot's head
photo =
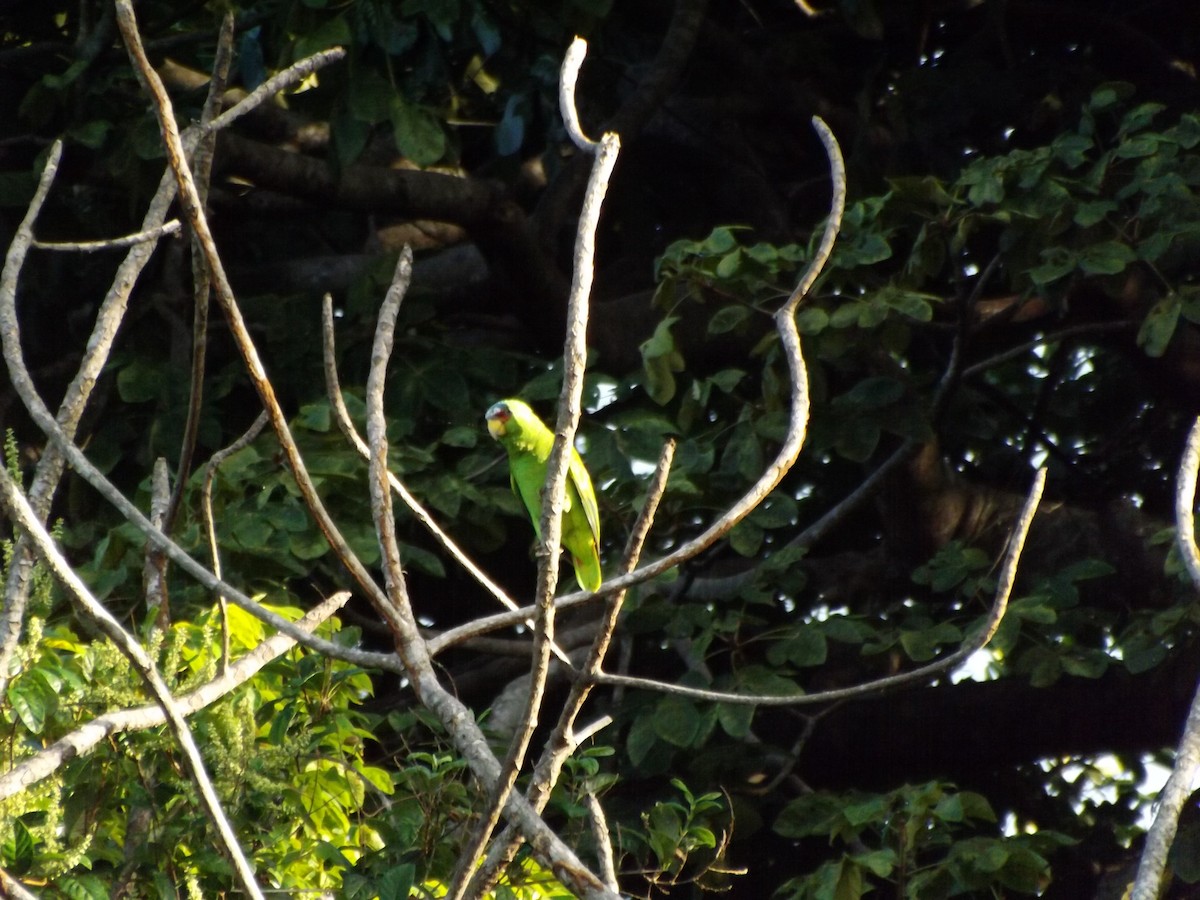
<point>505,419</point>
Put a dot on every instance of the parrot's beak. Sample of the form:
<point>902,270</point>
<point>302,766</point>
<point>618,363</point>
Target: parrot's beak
<point>497,420</point>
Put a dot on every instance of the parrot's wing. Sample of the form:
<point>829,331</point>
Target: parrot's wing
<point>578,474</point>
<point>529,504</point>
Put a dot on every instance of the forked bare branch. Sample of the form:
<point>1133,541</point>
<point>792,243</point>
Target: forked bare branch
<point>1008,575</point>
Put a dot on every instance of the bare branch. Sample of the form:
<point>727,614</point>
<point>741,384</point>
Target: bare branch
<point>293,74</point>
<point>50,467</point>
<point>10,887</point>
<point>341,415</point>
<point>555,489</point>
<point>85,738</point>
<point>146,235</point>
<point>568,77</point>
<point>603,840</point>
<point>1148,884</point>
<point>1185,499</point>
<point>1008,574</point>
<point>154,569</point>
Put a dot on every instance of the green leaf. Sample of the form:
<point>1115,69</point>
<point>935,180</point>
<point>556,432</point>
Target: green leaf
<point>1086,664</point>
<point>397,882</point>
<point>950,808</point>
<point>1058,262</point>
<point>730,264</point>
<point>84,887</point>
<point>746,538</point>
<point>735,718</point>
<point>461,436</point>
<point>874,808</point>
<point>812,320</point>
<point>1106,258</point>
<point>418,132</point>
<point>335,32</point>
<point>643,736</point>
<point>817,813</point>
<point>1033,609</point>
<point>660,362</point>
<point>370,96</point>
<point>879,863</point>
<point>510,131</point>
<point>1093,212</point>
<point>380,779</point>
<point>923,644</point>
<point>19,853</point>
<point>29,701</point>
<point>727,319</point>
<point>913,304</point>
<point>807,647</point>
<point>140,381</point>
<point>1159,326</point>
<point>847,314</point>
<point>873,392</point>
<point>1142,654</point>
<point>677,721</point>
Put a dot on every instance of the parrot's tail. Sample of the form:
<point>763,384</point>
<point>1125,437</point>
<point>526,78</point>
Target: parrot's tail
<point>587,571</point>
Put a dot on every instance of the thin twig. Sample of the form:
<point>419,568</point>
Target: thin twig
<point>138,237</point>
<point>602,840</point>
<point>85,738</point>
<point>293,74</point>
<point>210,525</point>
<point>1007,578</point>
<point>201,280</point>
<point>567,79</point>
<point>1148,885</point>
<point>154,569</point>
<point>60,431</point>
<point>548,847</point>
<point>1051,338</point>
<point>62,446</point>
<point>22,514</point>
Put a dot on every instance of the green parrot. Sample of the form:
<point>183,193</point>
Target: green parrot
<point>528,442</point>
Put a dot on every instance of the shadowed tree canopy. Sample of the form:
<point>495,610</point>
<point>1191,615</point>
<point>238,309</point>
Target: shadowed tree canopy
<point>1016,285</point>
